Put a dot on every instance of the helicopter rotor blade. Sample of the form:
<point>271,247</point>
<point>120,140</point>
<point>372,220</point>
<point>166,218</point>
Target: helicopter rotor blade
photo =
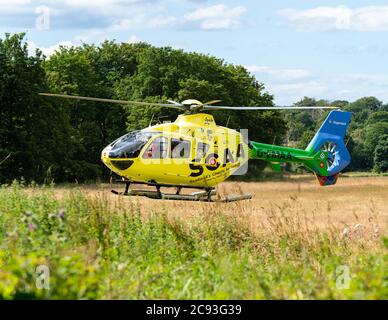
<point>265,108</point>
<point>211,102</point>
<point>66,96</point>
<point>180,106</point>
<point>175,103</point>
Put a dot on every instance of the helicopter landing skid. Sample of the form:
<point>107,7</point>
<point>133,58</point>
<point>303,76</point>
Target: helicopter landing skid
<point>206,195</point>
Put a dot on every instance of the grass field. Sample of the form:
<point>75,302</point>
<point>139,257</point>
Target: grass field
<point>293,240</point>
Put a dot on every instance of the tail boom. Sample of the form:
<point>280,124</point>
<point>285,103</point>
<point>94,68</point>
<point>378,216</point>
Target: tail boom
<point>280,154</point>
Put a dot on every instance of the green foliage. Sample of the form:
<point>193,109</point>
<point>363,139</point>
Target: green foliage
<point>96,250</point>
<point>305,139</point>
<point>300,121</point>
<point>83,71</point>
<point>381,154</point>
<point>369,124</point>
<point>373,134</point>
<point>378,116</point>
<point>367,103</point>
<point>33,132</point>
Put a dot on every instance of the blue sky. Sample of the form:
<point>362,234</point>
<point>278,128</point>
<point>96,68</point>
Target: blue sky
<point>323,49</point>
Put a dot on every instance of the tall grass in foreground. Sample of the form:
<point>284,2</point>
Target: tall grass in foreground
<point>97,249</point>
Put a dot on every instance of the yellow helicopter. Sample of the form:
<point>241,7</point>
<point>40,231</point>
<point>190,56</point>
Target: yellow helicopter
<point>194,152</point>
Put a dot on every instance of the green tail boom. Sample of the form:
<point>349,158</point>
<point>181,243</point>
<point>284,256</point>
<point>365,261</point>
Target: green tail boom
<point>278,154</point>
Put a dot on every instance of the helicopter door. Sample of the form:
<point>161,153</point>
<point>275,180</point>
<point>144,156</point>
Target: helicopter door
<point>176,167</point>
<point>156,149</point>
<point>180,149</point>
<point>201,152</point>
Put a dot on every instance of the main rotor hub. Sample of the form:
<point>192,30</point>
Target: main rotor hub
<point>192,102</point>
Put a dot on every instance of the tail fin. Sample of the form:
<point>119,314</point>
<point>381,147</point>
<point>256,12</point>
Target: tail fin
<point>329,140</point>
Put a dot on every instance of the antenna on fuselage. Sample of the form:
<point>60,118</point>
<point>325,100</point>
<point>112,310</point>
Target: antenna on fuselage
<point>274,140</point>
<point>227,122</point>
<point>152,119</point>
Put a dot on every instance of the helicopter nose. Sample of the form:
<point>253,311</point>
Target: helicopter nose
<point>113,163</point>
<point>105,157</point>
<point>105,154</point>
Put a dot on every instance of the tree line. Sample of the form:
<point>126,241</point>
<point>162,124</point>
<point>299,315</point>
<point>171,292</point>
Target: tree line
<point>46,138</point>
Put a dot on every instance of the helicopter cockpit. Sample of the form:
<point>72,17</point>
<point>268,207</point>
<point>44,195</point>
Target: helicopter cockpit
<point>130,145</point>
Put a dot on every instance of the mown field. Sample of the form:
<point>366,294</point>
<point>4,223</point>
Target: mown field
<point>293,240</point>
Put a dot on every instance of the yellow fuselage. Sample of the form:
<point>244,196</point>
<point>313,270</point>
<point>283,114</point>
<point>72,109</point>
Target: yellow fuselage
<point>192,151</point>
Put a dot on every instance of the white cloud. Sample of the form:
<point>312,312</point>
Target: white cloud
<point>216,17</point>
<point>142,20</point>
<point>291,85</point>
<point>278,74</point>
<point>97,35</point>
<point>100,35</point>
<point>325,18</point>
<point>288,93</point>
<point>48,51</point>
<point>96,3</point>
<point>299,89</point>
<point>355,85</point>
<point>288,85</point>
<point>133,39</point>
<point>176,46</point>
<point>88,14</point>
<point>14,2</point>
<point>366,78</point>
<point>119,15</point>
<point>8,7</point>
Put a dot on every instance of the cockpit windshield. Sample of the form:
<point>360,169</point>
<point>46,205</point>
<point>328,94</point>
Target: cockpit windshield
<point>130,145</point>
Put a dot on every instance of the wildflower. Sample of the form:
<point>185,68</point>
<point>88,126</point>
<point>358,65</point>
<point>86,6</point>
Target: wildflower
<point>345,232</point>
<point>61,214</point>
<point>31,226</point>
<point>26,216</point>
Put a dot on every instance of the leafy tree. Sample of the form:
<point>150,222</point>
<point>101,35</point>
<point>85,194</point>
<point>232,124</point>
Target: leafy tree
<point>84,71</point>
<point>381,155</point>
<point>306,138</point>
<point>202,90</point>
<point>339,103</point>
<point>373,133</point>
<point>369,103</point>
<point>34,133</point>
<point>362,108</point>
<point>301,121</point>
<point>379,116</point>
<point>368,123</point>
